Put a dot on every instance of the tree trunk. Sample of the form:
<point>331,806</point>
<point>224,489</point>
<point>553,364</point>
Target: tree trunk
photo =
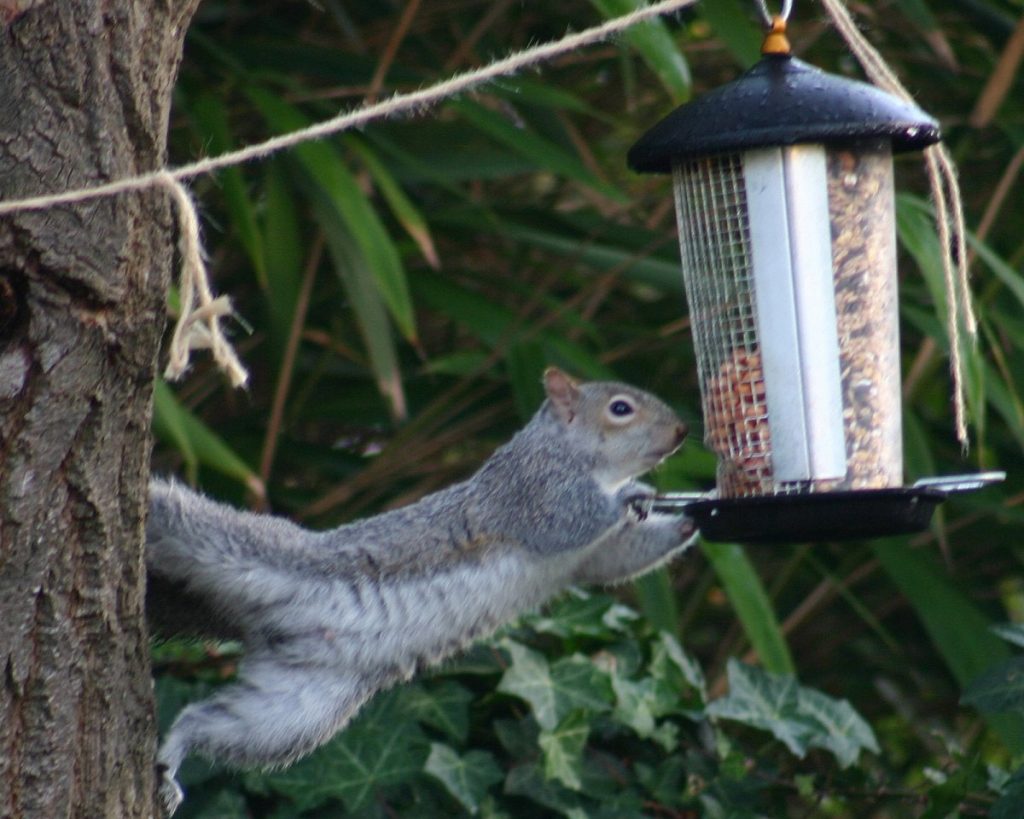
<point>85,90</point>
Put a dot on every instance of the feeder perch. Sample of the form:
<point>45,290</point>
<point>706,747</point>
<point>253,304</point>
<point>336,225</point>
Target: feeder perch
<point>783,184</point>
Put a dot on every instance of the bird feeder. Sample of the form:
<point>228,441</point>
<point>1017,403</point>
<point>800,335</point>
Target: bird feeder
<point>783,184</point>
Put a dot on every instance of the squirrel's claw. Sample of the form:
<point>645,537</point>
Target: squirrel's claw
<point>641,506</point>
<point>637,499</point>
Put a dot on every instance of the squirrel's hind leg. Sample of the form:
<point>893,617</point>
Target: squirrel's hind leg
<point>273,715</point>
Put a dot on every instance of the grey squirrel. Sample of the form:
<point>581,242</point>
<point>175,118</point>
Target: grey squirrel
<point>329,618</point>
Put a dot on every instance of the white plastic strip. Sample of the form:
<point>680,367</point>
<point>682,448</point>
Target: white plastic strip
<point>810,240</point>
<point>787,199</point>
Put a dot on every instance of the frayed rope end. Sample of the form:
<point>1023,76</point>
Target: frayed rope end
<point>193,332</point>
<point>198,326</point>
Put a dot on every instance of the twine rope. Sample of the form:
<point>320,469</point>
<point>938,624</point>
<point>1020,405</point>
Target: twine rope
<point>198,324</point>
<point>949,212</point>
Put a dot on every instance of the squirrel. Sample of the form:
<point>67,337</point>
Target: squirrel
<point>329,618</point>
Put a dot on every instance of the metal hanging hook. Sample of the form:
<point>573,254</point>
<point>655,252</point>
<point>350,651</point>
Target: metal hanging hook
<point>775,41</point>
<point>768,17</point>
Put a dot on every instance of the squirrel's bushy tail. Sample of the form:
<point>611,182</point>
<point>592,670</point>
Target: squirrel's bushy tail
<point>200,561</point>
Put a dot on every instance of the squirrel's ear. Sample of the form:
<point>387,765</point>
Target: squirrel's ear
<point>563,392</point>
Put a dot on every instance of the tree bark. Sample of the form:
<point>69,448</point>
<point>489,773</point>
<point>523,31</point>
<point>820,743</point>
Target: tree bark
<point>85,92</point>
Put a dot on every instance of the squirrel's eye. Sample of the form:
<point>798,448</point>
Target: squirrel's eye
<point>620,408</point>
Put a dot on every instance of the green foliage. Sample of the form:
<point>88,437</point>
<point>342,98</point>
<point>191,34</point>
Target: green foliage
<point>587,712</point>
<point>753,607</point>
<point>425,270</point>
<point>800,718</point>
<point>467,778</point>
<point>383,748</point>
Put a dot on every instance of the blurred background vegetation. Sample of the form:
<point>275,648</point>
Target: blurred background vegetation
<point>403,287</point>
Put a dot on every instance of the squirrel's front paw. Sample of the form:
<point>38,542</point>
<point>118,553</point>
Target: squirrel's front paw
<point>637,499</point>
<point>687,529</point>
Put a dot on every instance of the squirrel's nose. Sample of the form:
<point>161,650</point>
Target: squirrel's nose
<point>681,430</point>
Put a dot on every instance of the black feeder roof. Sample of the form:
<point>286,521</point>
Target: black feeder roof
<point>781,101</point>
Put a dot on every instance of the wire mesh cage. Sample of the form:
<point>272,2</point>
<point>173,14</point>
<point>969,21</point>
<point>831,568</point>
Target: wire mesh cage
<point>827,337</point>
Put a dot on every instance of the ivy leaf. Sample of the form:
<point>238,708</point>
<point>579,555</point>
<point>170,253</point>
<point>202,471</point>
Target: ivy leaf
<point>767,701</point>
<point>580,614</point>
<point>669,660</point>
<point>799,717</point>
<point>467,777</point>
<point>380,748</point>
<point>1000,688</point>
<point>1011,798</point>
<point>529,678</point>
<point>579,684</point>
<point>639,703</point>
<point>845,731</point>
<point>528,781</point>
<point>563,750</point>
<point>554,690</point>
<point>444,706</point>
<point>518,736</point>
<point>677,673</point>
<point>1011,632</point>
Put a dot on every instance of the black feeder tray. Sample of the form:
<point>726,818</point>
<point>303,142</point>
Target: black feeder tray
<point>825,516</point>
<point>783,186</point>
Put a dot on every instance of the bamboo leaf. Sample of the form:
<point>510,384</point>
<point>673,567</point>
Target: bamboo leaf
<point>327,172</point>
<point>595,243</point>
<point>665,275</point>
<point>283,257</point>
<point>1013,280</point>
<point>494,324</point>
<point>408,215</point>
<point>370,312</point>
<point>171,426</point>
<point>657,600</point>
<point>545,95</point>
<point>654,43</point>
<point>751,602</point>
<point>529,144</point>
<point>197,443</point>
<point>212,122</point>
<point>959,631</point>
<point>734,25</point>
<point>917,12</point>
<point>526,362</point>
